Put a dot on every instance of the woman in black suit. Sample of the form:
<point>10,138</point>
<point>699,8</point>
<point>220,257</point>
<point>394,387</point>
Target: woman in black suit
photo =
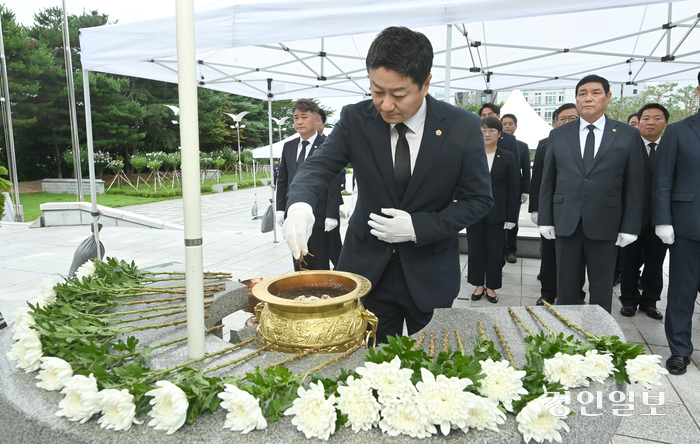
<point>487,236</point>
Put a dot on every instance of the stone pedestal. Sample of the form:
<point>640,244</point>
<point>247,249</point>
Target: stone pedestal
<point>70,186</point>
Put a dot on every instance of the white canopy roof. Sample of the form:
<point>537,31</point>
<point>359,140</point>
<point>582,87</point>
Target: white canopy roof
<point>531,127</point>
<point>317,49</point>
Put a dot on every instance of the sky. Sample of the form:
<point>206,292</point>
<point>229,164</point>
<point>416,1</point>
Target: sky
<point>131,11</point>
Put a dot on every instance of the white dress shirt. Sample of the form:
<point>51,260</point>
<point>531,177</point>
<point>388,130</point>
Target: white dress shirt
<point>308,147</point>
<point>647,142</point>
<point>415,125</point>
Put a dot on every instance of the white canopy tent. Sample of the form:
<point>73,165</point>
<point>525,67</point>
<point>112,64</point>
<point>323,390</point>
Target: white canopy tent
<point>531,127</point>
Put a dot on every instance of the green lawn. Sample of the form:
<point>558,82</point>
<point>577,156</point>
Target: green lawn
<point>118,197</point>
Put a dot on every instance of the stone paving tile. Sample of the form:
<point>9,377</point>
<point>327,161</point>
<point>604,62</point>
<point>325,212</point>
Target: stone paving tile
<point>619,439</point>
<point>676,427</point>
<point>530,271</point>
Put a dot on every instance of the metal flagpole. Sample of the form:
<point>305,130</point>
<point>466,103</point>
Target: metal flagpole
<point>272,188</point>
<point>71,104</point>
<point>91,161</point>
<point>191,192</point>
<point>9,135</point>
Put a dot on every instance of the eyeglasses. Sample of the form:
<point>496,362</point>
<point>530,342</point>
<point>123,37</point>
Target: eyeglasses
<point>567,119</point>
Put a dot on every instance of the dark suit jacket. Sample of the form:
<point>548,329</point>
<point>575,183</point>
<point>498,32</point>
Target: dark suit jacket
<point>648,177</point>
<point>676,184</point>
<point>449,190</point>
<point>509,143</point>
<point>537,167</point>
<point>504,186</point>
<point>329,199</point>
<point>524,153</point>
<point>609,198</point>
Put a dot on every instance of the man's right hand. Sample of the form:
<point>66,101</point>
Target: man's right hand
<point>297,228</point>
<point>547,232</point>
<point>279,218</point>
<point>665,233</point>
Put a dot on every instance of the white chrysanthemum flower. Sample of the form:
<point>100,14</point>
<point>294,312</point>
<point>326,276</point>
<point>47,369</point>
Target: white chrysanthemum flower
<point>602,365</point>
<point>86,270</point>
<point>483,414</point>
<point>55,373</point>
<point>645,370</point>
<point>81,400</point>
<point>389,379</point>
<point>536,422</point>
<point>357,402</point>
<point>569,370</point>
<point>314,415</point>
<point>244,413</point>
<point>47,294</point>
<point>406,416</point>
<point>169,407</point>
<point>23,319</point>
<point>502,382</point>
<point>118,409</point>
<point>27,350</point>
<point>445,399</point>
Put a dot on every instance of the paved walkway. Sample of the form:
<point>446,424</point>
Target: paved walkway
<point>233,243</point>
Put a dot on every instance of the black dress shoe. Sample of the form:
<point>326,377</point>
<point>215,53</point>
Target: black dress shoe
<point>510,257</point>
<point>476,297</point>
<point>492,299</point>
<point>677,365</point>
<point>628,311</point>
<point>653,313</point>
<point>539,278</point>
<point>581,302</point>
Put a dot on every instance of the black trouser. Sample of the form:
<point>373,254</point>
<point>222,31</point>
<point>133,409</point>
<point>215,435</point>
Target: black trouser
<point>485,241</point>
<point>651,251</point>
<point>683,287</point>
<point>548,272</point>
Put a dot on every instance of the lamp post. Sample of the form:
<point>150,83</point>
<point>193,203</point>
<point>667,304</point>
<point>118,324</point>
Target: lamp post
<point>237,118</point>
<point>176,111</point>
<point>279,123</point>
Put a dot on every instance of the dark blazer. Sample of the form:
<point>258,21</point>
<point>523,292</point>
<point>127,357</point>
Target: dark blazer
<point>329,199</point>
<point>524,153</point>
<point>537,167</point>
<point>449,189</point>
<point>504,186</point>
<point>509,143</point>
<point>676,184</point>
<point>609,198</point>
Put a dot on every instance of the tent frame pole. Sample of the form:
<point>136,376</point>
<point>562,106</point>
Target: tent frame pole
<point>91,161</point>
<point>274,185</point>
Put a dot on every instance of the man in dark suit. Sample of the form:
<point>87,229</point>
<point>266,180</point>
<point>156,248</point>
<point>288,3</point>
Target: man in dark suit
<point>548,264</point>
<point>592,194</point>
<point>510,125</point>
<point>675,211</point>
<point>648,248</point>
<point>327,208</point>
<point>422,177</point>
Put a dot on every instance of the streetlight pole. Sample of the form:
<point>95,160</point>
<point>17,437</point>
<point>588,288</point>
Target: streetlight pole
<point>237,119</point>
<point>279,123</point>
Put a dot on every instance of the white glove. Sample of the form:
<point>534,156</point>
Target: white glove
<point>624,239</point>
<point>331,224</point>
<point>394,229</point>
<point>547,232</point>
<point>508,226</point>
<point>523,198</point>
<point>533,217</point>
<point>665,233</point>
<point>297,228</point>
<point>279,218</point>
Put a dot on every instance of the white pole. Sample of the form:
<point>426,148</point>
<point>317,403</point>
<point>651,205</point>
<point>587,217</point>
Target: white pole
<point>71,103</point>
<point>191,193</point>
<point>91,160</point>
<point>9,135</point>
<point>448,65</point>
<point>272,163</point>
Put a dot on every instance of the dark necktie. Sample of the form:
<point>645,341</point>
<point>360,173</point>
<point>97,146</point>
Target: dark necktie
<point>589,148</point>
<point>402,164</point>
<point>652,152</point>
<point>302,155</point>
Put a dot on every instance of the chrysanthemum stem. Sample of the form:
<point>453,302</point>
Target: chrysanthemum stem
<point>159,315</point>
<point>505,345</point>
<point>520,321</point>
<point>154,301</point>
<point>207,356</point>
<point>532,312</point>
<point>143,310</point>
<point>184,338</point>
<point>330,361</point>
<point>157,326</point>
<point>590,336</point>
<point>244,358</point>
<point>291,358</point>
<point>482,333</point>
<point>445,340</point>
<point>459,341</point>
<point>431,352</point>
<point>420,340</point>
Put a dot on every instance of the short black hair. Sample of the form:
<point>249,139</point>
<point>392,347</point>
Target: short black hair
<point>653,106</point>
<point>593,78</point>
<point>492,106</point>
<point>631,116</point>
<point>399,49</point>
<point>512,116</point>
<point>492,122</point>
<point>322,113</point>
<point>698,77</point>
<point>564,107</point>
<point>304,105</point>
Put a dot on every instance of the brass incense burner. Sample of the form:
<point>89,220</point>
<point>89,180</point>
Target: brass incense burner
<point>338,323</point>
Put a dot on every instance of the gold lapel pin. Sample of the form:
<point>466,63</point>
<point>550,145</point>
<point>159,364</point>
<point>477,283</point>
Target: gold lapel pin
<point>614,130</point>
<point>438,133</point>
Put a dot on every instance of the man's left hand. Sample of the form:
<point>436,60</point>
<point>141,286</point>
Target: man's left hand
<point>523,198</point>
<point>624,239</point>
<point>394,229</point>
<point>330,224</point>
<point>508,225</point>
